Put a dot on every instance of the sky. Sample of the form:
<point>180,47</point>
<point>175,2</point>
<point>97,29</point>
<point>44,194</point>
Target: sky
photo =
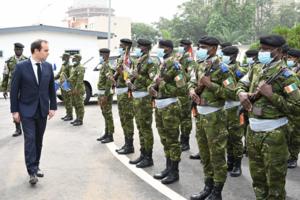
<point>52,12</point>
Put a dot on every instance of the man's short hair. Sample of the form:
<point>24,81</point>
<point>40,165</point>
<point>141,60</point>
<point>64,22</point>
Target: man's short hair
<point>37,45</point>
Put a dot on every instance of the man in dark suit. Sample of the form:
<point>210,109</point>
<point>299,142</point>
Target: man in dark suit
<point>32,99</point>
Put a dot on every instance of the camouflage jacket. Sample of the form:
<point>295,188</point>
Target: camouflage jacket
<point>76,78</point>
<point>104,83</point>
<point>222,78</point>
<point>173,83</point>
<point>187,63</point>
<point>286,95</point>
<point>64,72</point>
<point>125,64</point>
<point>8,70</point>
<point>145,69</point>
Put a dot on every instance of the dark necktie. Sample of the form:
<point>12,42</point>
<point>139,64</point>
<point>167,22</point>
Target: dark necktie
<point>39,72</point>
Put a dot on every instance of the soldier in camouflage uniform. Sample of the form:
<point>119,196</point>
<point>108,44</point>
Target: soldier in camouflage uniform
<point>143,74</point>
<point>63,75</point>
<point>124,67</point>
<point>168,84</point>
<point>187,62</point>
<point>105,93</point>
<point>9,68</point>
<point>268,117</point>
<point>222,46</point>
<point>211,84</point>
<point>77,89</point>
<point>234,128</point>
<point>293,62</point>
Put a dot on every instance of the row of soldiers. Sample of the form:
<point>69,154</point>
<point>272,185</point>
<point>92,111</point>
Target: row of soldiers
<point>228,96</point>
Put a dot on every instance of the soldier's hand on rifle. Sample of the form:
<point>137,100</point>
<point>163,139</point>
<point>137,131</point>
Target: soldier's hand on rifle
<point>205,80</point>
<point>265,89</point>
<point>195,97</point>
<point>158,81</point>
<point>103,100</point>
<point>5,95</point>
<point>153,92</point>
<point>130,85</point>
<point>244,99</point>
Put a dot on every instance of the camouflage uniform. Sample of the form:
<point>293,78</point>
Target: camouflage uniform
<point>64,74</point>
<point>233,126</point>
<point>187,64</point>
<point>211,133</point>
<point>268,150</point>
<point>146,71</point>
<point>8,70</point>
<point>77,89</point>
<point>105,90</point>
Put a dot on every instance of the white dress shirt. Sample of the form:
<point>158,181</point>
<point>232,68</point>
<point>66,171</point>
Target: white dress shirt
<point>34,66</point>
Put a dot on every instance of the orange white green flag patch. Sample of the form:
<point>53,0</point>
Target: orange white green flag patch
<point>179,77</point>
<point>228,81</point>
<point>290,88</point>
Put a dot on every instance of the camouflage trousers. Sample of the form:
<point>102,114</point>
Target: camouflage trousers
<point>185,115</point>
<point>268,155</point>
<point>78,103</point>
<point>293,141</point>
<point>143,118</point>
<point>167,123</point>
<point>108,116</point>
<point>212,136</point>
<point>125,107</point>
<point>235,133</point>
<point>67,98</point>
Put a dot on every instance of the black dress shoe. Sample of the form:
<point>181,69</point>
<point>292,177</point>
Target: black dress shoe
<point>78,123</point>
<point>17,133</point>
<point>39,173</point>
<point>68,118</point>
<point>108,139</point>
<point>195,156</point>
<point>33,179</point>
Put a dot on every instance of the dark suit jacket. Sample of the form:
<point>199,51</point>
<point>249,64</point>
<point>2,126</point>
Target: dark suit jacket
<point>26,94</point>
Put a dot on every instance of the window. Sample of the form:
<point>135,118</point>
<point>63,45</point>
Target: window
<point>72,52</point>
<point>1,54</point>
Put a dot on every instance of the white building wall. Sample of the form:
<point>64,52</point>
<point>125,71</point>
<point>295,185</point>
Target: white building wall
<point>58,43</point>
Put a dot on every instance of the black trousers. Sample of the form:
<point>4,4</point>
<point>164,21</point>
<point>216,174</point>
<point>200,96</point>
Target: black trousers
<point>33,128</point>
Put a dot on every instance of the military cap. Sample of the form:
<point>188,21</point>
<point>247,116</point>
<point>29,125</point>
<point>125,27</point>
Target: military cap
<point>66,54</point>
<point>144,42</point>
<point>251,53</point>
<point>225,44</point>
<point>18,45</point>
<point>185,42</point>
<point>77,56</point>
<point>230,50</point>
<point>166,43</point>
<point>272,40</point>
<point>294,53</point>
<point>208,40</point>
<point>104,50</point>
<point>285,48</point>
<point>126,41</point>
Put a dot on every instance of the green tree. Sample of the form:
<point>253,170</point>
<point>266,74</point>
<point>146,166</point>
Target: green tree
<point>145,31</point>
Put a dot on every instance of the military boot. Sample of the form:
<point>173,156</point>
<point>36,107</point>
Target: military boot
<point>128,147</point>
<point>195,156</point>
<point>165,172</point>
<point>18,131</point>
<point>74,121</point>
<point>173,174</point>
<point>216,193</point>
<point>230,161</point>
<point>139,159</point>
<point>184,141</point>
<point>103,136</point>
<point>68,118</point>
<point>109,138</point>
<point>209,184</point>
<point>237,170</point>
<point>78,123</point>
<point>147,161</point>
<point>292,163</point>
<point>63,118</point>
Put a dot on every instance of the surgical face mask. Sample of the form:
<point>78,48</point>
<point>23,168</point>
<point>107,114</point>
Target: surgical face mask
<point>226,59</point>
<point>250,61</point>
<point>161,52</point>
<point>219,53</point>
<point>290,63</point>
<point>101,60</point>
<point>121,51</point>
<point>201,54</point>
<point>265,57</point>
<point>138,52</point>
<point>181,50</point>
